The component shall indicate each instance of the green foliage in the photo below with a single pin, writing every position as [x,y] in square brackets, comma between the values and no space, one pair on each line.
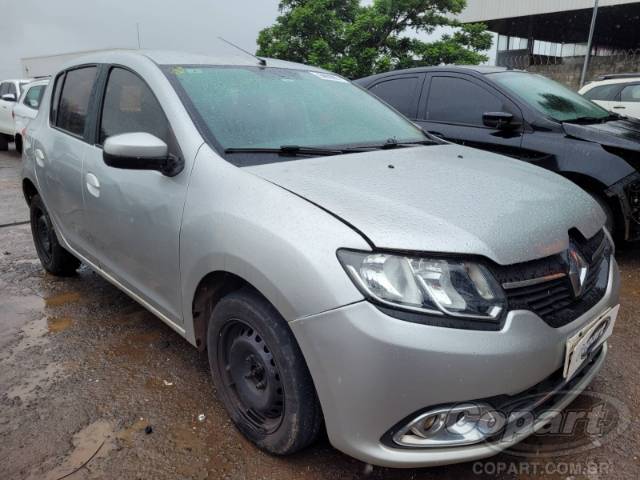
[357,40]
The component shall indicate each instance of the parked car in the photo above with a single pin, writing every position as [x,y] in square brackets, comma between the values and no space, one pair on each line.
[26,108]
[342,268]
[617,93]
[10,90]
[528,117]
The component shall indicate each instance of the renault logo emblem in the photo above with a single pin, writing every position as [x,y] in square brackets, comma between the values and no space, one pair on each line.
[578,268]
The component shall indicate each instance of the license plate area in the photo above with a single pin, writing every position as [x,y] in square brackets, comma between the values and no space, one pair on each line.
[586,340]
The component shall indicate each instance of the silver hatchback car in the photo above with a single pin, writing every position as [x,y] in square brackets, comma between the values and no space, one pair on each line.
[343,269]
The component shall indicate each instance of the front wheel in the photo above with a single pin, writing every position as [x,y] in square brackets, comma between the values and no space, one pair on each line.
[260,374]
[55,259]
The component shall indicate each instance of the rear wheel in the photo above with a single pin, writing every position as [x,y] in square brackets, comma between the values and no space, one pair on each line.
[4,143]
[18,142]
[260,374]
[55,259]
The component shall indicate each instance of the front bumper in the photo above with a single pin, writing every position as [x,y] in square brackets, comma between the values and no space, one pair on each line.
[371,371]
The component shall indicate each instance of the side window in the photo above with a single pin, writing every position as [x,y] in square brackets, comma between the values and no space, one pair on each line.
[4,88]
[33,96]
[602,92]
[11,88]
[630,93]
[74,99]
[398,92]
[455,100]
[130,106]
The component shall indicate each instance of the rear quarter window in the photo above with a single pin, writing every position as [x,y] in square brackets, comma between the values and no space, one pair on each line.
[399,92]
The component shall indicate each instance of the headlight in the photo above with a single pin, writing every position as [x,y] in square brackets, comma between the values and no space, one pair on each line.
[456,288]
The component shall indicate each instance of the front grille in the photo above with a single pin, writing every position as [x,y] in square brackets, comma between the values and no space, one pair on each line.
[543,286]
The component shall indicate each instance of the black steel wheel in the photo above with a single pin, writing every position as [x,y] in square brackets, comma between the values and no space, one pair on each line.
[260,374]
[250,372]
[55,259]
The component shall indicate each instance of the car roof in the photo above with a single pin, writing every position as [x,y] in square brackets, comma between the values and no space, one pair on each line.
[612,81]
[478,69]
[38,81]
[17,80]
[169,57]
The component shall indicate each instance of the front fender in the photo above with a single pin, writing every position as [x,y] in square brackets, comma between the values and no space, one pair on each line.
[282,245]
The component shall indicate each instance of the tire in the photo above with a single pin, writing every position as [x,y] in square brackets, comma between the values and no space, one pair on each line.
[18,142]
[260,374]
[4,143]
[55,259]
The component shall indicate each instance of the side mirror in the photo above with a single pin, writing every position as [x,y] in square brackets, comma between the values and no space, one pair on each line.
[498,120]
[8,97]
[140,151]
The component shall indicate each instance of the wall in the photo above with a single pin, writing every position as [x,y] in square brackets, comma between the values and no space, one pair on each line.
[568,72]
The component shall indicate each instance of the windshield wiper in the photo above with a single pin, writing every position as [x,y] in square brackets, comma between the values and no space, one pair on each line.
[287,150]
[393,143]
[587,120]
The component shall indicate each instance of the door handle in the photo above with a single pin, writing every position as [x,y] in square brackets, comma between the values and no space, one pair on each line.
[93,185]
[620,107]
[40,158]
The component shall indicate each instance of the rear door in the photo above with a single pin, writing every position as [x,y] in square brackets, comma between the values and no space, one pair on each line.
[452,108]
[60,148]
[401,91]
[607,96]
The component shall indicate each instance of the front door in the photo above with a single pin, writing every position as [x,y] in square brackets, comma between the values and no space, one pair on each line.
[453,107]
[133,217]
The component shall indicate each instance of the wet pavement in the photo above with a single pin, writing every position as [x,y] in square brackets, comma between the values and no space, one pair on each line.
[94,386]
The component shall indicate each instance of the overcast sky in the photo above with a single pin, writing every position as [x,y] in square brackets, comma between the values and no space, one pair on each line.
[34,28]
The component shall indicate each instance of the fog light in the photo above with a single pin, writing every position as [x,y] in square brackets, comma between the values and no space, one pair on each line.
[461,424]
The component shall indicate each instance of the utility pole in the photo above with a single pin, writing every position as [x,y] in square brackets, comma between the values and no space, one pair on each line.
[585,66]
[138,32]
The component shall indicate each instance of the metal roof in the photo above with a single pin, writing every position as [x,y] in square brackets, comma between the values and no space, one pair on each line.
[487,10]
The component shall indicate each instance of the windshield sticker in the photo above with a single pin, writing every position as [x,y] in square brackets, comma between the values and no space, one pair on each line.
[329,76]
[177,70]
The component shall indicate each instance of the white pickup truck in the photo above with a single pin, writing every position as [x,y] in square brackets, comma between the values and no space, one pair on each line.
[10,91]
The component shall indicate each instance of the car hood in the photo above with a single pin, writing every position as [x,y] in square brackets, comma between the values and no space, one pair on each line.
[623,133]
[444,198]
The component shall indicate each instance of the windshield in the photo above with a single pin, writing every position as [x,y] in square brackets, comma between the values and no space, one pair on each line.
[549,97]
[244,107]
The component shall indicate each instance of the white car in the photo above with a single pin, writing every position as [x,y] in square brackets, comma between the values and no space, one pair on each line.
[10,91]
[618,93]
[26,108]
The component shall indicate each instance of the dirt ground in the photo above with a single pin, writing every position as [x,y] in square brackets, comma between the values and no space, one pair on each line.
[92,383]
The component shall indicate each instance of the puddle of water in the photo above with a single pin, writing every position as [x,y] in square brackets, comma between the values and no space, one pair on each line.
[136,346]
[58,324]
[63,299]
[27,385]
[16,311]
[96,437]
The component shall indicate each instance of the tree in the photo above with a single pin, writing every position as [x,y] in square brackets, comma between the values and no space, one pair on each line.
[357,40]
